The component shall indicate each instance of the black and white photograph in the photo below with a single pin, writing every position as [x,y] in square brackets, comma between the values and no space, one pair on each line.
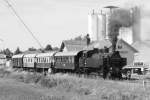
[74,50]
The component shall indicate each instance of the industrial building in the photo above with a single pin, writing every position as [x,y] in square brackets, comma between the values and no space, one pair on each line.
[98,29]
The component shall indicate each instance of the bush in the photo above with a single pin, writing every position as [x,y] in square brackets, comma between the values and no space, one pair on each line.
[32,78]
[17,76]
[48,82]
[4,72]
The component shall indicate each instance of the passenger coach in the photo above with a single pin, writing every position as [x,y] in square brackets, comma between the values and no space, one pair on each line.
[44,61]
[66,61]
[18,61]
[29,61]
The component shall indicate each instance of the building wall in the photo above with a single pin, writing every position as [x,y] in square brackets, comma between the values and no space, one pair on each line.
[126,34]
[127,52]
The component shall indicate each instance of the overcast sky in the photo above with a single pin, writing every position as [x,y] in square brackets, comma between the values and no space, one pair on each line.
[52,21]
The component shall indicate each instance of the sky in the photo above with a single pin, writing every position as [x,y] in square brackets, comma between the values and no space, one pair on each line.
[53,21]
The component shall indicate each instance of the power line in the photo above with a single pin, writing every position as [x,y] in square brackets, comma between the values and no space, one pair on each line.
[25,25]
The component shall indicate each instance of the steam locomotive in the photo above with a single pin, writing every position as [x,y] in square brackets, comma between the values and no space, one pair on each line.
[100,61]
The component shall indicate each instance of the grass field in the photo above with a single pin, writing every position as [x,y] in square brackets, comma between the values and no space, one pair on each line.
[28,86]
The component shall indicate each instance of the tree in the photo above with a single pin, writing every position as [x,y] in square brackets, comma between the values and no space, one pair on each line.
[17,51]
[7,52]
[32,49]
[78,38]
[55,49]
[48,48]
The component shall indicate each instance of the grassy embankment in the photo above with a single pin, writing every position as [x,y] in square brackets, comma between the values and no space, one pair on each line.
[70,87]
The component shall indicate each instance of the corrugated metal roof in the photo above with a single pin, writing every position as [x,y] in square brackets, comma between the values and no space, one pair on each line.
[45,54]
[71,53]
[18,56]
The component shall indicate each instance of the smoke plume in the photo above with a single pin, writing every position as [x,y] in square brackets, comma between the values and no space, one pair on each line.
[118,18]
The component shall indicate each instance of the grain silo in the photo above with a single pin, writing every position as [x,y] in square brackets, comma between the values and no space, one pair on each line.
[93,25]
[97,26]
[101,26]
[136,27]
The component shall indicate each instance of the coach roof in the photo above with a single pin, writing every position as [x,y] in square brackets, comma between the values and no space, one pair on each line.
[30,55]
[71,53]
[18,56]
[45,54]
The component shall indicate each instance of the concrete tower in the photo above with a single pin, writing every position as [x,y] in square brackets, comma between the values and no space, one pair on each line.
[93,26]
[97,26]
[101,26]
[136,27]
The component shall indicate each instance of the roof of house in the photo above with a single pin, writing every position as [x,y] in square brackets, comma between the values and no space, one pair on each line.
[74,45]
[98,44]
[122,41]
[106,43]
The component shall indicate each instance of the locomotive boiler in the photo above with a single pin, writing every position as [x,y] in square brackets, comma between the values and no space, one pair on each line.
[102,62]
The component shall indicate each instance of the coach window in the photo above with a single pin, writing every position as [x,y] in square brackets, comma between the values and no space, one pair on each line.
[45,60]
[39,60]
[72,59]
[69,59]
[42,60]
[59,59]
[48,60]
[62,59]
